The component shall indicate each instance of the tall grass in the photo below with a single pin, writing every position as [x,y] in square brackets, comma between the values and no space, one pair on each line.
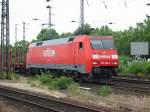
[74,89]
[9,75]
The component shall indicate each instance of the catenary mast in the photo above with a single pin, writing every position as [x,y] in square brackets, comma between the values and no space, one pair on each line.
[5,35]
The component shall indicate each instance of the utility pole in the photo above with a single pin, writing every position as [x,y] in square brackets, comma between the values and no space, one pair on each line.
[16,32]
[50,16]
[5,35]
[24,30]
[50,19]
[81,15]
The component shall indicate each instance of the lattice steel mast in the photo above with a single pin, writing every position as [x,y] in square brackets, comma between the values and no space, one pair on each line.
[5,35]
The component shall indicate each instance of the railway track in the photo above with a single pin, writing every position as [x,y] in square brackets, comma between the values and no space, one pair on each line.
[131,84]
[123,84]
[48,104]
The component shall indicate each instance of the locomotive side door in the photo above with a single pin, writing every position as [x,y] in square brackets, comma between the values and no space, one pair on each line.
[79,52]
[79,56]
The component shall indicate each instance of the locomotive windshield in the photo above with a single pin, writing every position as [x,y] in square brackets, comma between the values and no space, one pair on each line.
[102,44]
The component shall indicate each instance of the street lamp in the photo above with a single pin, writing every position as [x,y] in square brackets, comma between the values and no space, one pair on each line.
[43,24]
[81,27]
[49,7]
[35,19]
[73,21]
[110,23]
[148,4]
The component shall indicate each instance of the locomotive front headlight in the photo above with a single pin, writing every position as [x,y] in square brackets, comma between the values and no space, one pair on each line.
[114,63]
[95,62]
[95,56]
[114,56]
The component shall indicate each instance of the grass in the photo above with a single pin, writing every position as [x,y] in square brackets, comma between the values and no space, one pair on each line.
[104,91]
[74,89]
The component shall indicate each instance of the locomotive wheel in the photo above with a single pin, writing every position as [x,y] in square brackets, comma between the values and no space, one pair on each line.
[87,77]
[105,79]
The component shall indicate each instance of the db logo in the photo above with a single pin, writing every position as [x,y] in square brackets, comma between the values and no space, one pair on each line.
[49,53]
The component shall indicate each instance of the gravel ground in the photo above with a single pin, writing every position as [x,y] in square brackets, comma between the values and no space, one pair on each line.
[7,105]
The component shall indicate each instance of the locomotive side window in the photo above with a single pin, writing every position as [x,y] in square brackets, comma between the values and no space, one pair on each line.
[80,45]
[39,43]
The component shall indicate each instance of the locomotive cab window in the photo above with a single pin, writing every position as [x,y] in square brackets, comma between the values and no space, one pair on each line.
[71,39]
[102,44]
[80,45]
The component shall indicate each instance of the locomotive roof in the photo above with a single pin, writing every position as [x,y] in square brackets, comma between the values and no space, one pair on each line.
[101,37]
[52,42]
[64,40]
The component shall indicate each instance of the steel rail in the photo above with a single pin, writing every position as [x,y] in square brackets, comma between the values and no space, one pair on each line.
[132,80]
[32,103]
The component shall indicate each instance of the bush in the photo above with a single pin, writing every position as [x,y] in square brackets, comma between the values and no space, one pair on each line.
[147,69]
[136,67]
[139,68]
[123,64]
[51,82]
[104,91]
[63,82]
[44,78]
[127,65]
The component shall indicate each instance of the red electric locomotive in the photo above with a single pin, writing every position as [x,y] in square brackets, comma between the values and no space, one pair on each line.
[87,57]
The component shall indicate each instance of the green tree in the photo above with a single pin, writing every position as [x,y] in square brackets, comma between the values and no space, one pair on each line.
[22,45]
[47,34]
[68,34]
[103,31]
[87,29]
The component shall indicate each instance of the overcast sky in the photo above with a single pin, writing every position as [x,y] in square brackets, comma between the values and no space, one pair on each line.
[64,11]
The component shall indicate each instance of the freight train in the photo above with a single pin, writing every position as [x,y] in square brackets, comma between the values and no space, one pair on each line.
[91,58]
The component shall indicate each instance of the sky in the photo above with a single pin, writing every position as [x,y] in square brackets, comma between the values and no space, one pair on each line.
[64,11]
